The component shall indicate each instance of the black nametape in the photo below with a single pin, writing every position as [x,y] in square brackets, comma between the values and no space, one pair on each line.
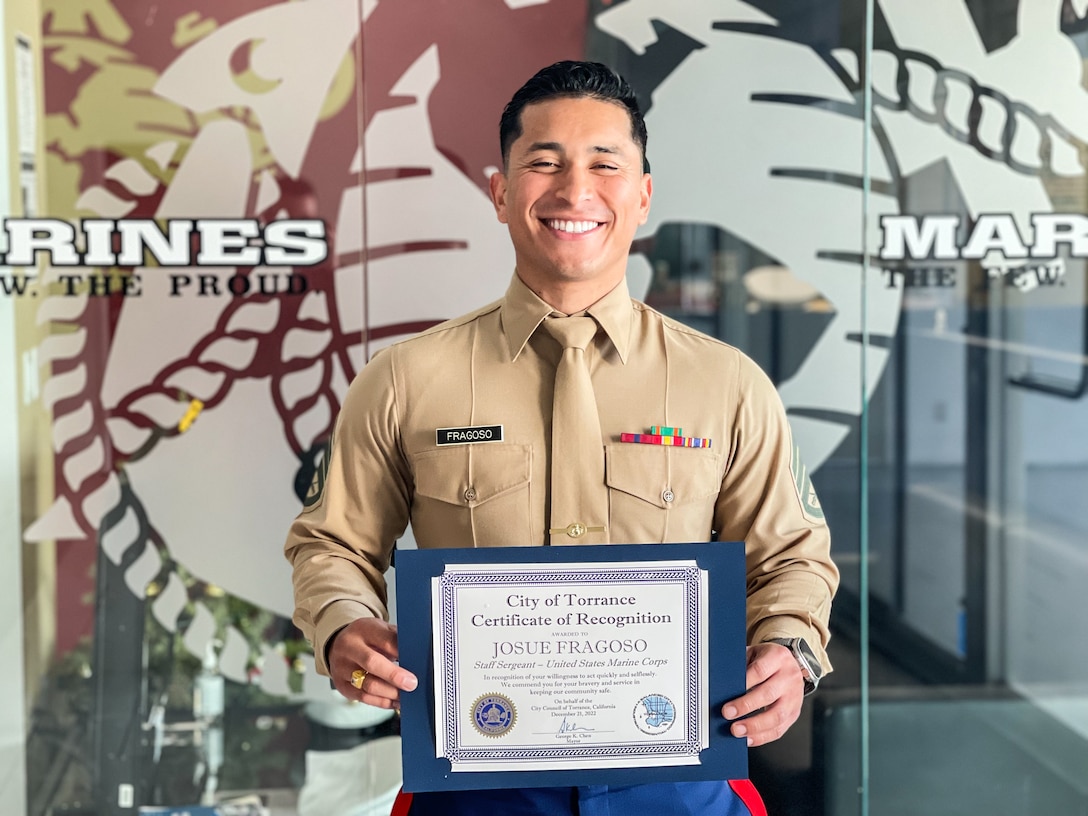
[468,436]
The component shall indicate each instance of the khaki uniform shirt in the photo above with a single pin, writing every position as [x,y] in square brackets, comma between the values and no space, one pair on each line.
[496,366]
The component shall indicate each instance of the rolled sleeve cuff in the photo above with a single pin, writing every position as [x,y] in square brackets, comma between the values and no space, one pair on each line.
[334,618]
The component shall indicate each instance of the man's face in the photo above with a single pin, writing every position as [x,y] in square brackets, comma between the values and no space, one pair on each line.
[573,195]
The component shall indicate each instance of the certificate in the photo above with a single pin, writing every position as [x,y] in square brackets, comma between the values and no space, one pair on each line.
[571,665]
[542,666]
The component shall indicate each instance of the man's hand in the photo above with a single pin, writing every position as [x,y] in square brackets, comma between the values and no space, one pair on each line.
[775,689]
[369,644]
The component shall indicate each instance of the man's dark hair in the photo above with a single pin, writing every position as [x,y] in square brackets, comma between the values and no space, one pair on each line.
[572,80]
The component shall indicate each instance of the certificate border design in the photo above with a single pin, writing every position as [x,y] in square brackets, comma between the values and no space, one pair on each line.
[687,576]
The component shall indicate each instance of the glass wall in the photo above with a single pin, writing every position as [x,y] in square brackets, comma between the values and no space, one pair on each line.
[164,416]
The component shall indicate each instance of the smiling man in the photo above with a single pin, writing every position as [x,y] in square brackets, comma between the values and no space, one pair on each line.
[469,431]
[573,193]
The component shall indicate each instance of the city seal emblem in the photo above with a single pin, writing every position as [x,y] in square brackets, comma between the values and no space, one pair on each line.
[493,715]
[654,714]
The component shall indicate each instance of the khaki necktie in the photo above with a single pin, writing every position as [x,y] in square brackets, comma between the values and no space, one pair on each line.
[579,498]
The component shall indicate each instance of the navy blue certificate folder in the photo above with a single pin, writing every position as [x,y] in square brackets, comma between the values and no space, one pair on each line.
[725,758]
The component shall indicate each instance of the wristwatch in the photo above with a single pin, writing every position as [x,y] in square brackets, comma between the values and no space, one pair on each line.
[811,670]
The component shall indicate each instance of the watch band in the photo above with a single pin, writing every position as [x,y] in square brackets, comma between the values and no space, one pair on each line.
[811,670]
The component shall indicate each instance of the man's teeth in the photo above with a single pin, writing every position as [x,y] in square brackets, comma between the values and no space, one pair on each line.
[571,226]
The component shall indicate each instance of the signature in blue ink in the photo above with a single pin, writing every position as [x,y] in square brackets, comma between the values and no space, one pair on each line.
[570,728]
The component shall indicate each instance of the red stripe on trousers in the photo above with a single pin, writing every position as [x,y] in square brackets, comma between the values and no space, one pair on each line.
[402,804]
[747,793]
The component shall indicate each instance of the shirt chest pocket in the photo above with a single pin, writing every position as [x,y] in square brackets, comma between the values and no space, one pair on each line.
[473,496]
[661,494]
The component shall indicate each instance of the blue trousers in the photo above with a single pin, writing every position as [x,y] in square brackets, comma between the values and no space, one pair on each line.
[658,799]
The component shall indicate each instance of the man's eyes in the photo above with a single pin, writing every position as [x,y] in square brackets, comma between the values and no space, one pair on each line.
[548,165]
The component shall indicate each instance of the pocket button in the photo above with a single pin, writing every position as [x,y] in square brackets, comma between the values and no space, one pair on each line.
[470,494]
[668,495]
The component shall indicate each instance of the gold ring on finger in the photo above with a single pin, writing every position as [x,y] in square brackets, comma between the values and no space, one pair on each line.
[358,677]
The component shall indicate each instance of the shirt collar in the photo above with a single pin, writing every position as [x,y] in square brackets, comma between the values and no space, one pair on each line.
[522,312]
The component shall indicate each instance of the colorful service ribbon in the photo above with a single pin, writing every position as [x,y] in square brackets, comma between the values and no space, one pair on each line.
[666,439]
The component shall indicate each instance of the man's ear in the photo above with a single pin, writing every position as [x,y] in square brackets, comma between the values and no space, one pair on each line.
[498,195]
[647,193]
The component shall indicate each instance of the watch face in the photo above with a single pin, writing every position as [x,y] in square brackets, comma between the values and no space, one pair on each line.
[814,667]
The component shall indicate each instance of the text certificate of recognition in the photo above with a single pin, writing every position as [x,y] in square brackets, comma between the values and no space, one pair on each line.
[570,665]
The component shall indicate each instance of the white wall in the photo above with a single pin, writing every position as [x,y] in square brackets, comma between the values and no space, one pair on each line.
[12,693]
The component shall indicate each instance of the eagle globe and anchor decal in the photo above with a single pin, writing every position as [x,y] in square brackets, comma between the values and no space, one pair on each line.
[780,79]
[493,715]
